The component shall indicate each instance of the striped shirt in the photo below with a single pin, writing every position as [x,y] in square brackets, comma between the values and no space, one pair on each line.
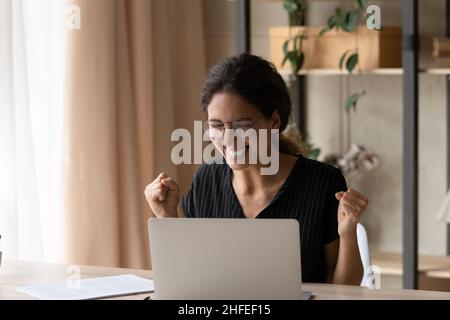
[307,195]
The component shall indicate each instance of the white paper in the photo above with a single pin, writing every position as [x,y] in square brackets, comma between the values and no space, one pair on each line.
[91,288]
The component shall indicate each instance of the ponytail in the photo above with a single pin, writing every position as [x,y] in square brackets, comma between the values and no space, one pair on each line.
[290,143]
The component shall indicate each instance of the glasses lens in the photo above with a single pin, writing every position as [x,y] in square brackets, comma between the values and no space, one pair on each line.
[214,129]
[242,124]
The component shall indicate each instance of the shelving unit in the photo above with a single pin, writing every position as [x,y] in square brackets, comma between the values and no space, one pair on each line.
[380,71]
[410,58]
[410,72]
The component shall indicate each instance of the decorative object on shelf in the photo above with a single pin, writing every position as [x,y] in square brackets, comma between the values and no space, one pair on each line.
[293,46]
[294,53]
[358,159]
[347,21]
[377,48]
[340,44]
[355,162]
[296,10]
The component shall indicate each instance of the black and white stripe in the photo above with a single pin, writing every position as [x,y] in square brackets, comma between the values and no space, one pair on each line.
[308,195]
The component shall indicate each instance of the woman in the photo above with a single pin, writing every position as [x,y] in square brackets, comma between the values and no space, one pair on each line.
[246,92]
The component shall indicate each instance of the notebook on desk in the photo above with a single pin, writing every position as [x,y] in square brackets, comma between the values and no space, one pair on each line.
[92,288]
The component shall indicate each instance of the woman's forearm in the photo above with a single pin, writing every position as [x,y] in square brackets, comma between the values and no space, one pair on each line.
[349,268]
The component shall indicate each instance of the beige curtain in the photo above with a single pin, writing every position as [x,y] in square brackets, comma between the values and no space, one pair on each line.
[135,71]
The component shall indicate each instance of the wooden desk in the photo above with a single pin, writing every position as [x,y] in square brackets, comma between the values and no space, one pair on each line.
[13,274]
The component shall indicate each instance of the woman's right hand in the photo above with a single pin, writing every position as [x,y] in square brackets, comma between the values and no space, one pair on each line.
[163,195]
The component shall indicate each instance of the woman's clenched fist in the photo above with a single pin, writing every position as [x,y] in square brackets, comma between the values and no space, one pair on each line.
[163,195]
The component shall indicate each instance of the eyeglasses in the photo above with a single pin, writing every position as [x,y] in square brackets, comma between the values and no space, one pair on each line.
[216,128]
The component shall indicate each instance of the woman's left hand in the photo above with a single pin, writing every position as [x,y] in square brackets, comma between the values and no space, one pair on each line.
[351,206]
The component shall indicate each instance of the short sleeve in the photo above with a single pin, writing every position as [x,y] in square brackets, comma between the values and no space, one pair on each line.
[330,218]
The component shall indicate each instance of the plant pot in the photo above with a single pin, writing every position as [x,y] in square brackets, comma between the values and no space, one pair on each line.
[377,48]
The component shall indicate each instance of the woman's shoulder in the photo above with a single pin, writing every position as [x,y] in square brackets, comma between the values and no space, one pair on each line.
[321,177]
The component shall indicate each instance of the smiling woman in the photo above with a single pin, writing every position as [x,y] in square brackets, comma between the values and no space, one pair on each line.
[316,194]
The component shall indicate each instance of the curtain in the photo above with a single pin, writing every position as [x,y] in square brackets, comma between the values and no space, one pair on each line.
[134,74]
[32,37]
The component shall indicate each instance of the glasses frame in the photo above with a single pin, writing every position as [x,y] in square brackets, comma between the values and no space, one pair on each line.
[206,125]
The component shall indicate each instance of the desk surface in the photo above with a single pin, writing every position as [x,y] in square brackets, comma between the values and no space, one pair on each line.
[13,274]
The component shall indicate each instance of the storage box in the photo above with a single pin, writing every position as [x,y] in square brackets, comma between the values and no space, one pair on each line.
[377,48]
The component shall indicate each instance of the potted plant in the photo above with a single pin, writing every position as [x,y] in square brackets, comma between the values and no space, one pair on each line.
[323,46]
[294,55]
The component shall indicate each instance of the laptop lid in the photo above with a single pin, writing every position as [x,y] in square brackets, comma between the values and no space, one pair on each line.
[216,259]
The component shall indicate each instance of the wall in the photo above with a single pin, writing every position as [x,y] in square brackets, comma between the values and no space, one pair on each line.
[377,123]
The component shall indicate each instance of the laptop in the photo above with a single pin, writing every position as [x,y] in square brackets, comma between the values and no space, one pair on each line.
[226,259]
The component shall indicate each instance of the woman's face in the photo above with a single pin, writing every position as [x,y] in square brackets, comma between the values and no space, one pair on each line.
[230,111]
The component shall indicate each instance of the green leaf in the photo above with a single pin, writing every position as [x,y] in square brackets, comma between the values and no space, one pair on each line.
[301,61]
[341,61]
[314,154]
[332,22]
[302,5]
[296,40]
[340,19]
[292,57]
[352,100]
[351,20]
[290,6]
[286,47]
[362,3]
[324,30]
[352,61]
[287,57]
[284,60]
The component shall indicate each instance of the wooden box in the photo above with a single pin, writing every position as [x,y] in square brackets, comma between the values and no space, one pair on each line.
[377,48]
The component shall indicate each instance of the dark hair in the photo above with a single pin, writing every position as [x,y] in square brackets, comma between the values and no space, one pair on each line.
[258,82]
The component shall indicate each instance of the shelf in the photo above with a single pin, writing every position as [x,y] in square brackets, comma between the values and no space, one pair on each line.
[430,266]
[380,71]
[433,271]
[437,71]
[338,72]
